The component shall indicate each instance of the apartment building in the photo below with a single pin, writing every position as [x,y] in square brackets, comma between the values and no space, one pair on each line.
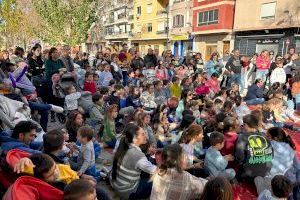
[212,26]
[267,24]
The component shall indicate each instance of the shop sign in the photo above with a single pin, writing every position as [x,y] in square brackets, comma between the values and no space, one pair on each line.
[268,41]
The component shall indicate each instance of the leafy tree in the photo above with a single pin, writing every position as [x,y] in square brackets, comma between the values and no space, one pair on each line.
[66,21]
[10,21]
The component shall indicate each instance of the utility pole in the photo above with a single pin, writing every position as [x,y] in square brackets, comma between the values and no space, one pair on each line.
[168,27]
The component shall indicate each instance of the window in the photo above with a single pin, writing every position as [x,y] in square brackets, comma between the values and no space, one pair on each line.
[139,11]
[178,21]
[268,10]
[161,27]
[208,17]
[149,27]
[149,8]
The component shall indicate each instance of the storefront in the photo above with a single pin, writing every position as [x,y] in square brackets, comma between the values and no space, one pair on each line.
[181,44]
[278,41]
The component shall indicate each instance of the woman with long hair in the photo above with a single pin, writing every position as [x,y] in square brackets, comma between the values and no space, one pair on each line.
[144,120]
[53,64]
[128,164]
[263,64]
[35,61]
[190,137]
[214,65]
[171,181]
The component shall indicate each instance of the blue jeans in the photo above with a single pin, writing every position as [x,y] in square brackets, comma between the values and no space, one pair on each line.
[143,191]
[262,74]
[297,99]
[236,78]
[255,101]
[43,110]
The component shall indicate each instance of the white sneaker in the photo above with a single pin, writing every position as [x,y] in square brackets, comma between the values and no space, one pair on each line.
[57,109]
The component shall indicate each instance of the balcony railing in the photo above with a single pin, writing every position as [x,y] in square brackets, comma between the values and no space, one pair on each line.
[161,12]
[161,32]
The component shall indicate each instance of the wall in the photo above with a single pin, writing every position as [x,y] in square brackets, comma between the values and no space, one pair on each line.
[226,16]
[202,41]
[251,10]
[183,8]
[140,22]
[145,45]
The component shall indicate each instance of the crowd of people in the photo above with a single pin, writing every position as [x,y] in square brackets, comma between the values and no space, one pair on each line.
[180,128]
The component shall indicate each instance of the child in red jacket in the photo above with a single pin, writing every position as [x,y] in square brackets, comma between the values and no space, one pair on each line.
[89,83]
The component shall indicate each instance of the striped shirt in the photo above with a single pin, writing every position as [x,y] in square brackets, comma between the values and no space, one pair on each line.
[128,173]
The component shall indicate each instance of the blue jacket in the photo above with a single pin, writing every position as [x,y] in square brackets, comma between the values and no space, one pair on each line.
[254,92]
[8,143]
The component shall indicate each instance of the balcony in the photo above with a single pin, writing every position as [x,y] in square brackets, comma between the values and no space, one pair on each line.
[161,32]
[162,13]
[110,35]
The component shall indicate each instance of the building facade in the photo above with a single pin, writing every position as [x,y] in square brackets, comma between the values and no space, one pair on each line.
[212,26]
[181,27]
[267,24]
[150,25]
[117,23]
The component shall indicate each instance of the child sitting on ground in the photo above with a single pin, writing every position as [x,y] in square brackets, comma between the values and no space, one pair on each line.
[97,111]
[281,189]
[79,190]
[89,83]
[86,157]
[214,161]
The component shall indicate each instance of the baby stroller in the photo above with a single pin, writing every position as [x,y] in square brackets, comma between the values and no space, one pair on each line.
[60,85]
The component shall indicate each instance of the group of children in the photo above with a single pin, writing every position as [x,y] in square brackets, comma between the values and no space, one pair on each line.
[173,121]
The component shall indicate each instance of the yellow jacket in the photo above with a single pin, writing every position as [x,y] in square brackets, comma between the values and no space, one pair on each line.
[66,174]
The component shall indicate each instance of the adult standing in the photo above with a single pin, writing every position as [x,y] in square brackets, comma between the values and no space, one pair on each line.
[52,66]
[4,58]
[263,64]
[150,59]
[234,66]
[137,62]
[214,65]
[36,70]
[66,58]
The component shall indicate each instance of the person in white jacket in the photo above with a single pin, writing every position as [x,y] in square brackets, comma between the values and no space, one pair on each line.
[278,74]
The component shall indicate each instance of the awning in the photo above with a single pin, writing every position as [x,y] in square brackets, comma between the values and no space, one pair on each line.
[261,36]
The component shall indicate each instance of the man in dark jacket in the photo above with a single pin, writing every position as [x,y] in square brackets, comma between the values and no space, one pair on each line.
[66,58]
[234,66]
[137,62]
[253,151]
[255,94]
[150,58]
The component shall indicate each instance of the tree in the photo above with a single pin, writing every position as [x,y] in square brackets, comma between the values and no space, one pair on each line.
[10,21]
[66,21]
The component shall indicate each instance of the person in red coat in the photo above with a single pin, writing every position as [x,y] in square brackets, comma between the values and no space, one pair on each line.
[89,83]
